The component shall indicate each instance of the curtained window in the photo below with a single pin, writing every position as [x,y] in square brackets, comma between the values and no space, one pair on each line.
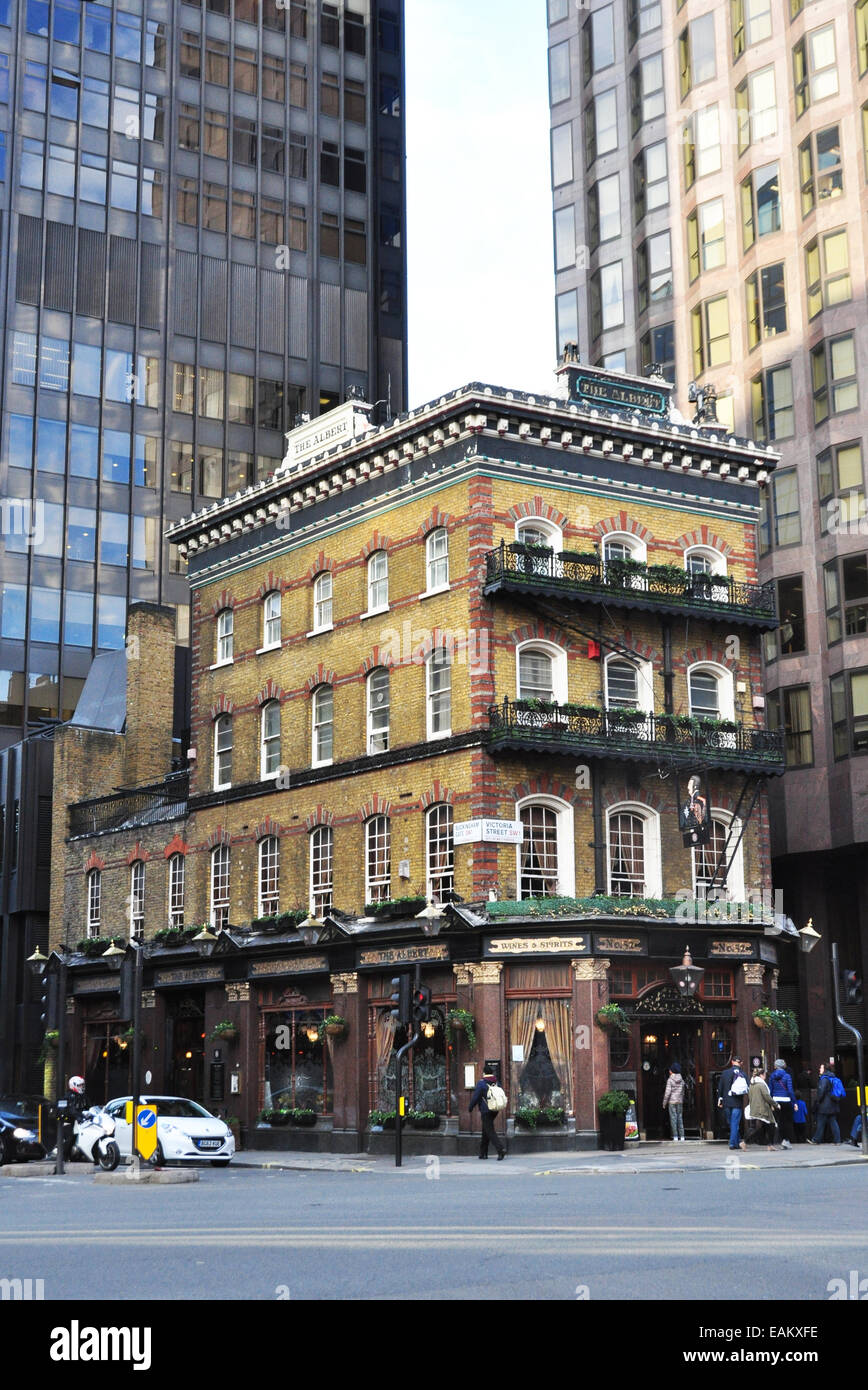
[539,852]
[626,856]
[540,1048]
[441,852]
[298,1067]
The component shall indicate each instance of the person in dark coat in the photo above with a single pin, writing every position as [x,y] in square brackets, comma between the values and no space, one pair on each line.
[733,1104]
[827,1108]
[489,1133]
[780,1085]
[800,1118]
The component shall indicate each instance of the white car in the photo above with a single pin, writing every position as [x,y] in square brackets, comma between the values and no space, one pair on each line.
[186,1132]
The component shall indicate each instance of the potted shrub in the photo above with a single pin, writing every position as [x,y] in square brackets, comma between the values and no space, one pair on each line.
[224,1031]
[302,1117]
[424,1119]
[275,1117]
[176,936]
[612,1016]
[396,907]
[552,1115]
[333,1026]
[528,1116]
[97,945]
[461,1020]
[613,1107]
[381,1119]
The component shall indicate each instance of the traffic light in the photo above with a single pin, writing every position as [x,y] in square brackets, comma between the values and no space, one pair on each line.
[50,1002]
[402,985]
[421,1004]
[851,985]
[126,1003]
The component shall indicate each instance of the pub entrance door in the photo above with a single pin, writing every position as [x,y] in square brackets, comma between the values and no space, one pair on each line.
[664,1041]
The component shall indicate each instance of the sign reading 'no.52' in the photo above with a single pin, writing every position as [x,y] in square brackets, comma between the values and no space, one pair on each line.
[488,832]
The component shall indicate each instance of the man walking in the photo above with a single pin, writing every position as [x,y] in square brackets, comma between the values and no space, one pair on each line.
[827,1107]
[489,1133]
[731,1091]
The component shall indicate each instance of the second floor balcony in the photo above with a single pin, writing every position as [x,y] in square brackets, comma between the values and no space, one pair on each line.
[626,583]
[583,730]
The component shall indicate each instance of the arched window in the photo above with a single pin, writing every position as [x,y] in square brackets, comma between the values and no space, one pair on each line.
[223,740]
[322,602]
[176,890]
[621,554]
[546,855]
[634,853]
[629,684]
[323,725]
[270,739]
[621,546]
[220,887]
[378,581]
[437,559]
[438,698]
[541,672]
[225,635]
[441,852]
[271,615]
[702,564]
[94,901]
[137,900]
[535,531]
[723,851]
[378,710]
[269,876]
[711,692]
[321,870]
[378,860]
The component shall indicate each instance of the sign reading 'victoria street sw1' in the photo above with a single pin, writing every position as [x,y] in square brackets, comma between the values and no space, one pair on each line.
[488,832]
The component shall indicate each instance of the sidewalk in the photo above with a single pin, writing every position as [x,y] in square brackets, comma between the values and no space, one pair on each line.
[648,1157]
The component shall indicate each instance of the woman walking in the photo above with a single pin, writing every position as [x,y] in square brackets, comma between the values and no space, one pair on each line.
[762,1110]
[673,1101]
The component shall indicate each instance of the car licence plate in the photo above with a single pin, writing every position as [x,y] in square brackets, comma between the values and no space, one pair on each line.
[209,1143]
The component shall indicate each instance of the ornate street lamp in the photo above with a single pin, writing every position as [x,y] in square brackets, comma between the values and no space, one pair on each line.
[431,918]
[310,930]
[205,941]
[687,976]
[808,938]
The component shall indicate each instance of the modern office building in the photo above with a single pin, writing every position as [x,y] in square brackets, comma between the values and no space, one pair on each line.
[709,173]
[202,237]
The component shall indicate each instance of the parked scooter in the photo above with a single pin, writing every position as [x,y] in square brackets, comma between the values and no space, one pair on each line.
[93,1139]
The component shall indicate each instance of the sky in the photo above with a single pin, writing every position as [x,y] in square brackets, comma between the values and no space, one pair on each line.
[479,220]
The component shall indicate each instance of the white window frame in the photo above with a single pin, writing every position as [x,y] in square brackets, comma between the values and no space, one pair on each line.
[558,655]
[436,563]
[268,876]
[219,878]
[379,736]
[137,900]
[379,889]
[725,687]
[225,637]
[177,875]
[433,665]
[267,741]
[554,535]
[566,848]
[321,855]
[734,887]
[717,562]
[644,681]
[272,612]
[318,723]
[651,846]
[323,603]
[94,902]
[222,724]
[439,831]
[380,558]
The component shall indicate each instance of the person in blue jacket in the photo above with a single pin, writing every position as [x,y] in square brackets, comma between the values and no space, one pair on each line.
[489,1133]
[784,1096]
[827,1108]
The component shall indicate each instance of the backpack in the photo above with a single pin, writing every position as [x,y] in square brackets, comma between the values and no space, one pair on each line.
[836,1088]
[739,1086]
[496,1098]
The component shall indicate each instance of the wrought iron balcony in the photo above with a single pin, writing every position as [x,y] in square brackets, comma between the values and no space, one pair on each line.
[545,727]
[138,806]
[627,584]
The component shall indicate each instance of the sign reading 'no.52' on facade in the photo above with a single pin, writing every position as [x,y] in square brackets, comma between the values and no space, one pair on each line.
[488,832]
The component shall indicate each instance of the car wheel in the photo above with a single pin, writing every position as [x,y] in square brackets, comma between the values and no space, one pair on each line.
[220,1162]
[5,1149]
[158,1158]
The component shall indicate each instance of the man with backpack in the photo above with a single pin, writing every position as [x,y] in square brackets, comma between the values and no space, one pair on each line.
[830,1092]
[731,1091]
[491,1099]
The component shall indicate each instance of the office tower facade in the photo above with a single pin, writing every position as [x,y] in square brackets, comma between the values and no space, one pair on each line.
[709,174]
[202,237]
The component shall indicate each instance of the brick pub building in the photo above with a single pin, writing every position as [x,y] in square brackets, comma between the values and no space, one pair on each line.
[474,658]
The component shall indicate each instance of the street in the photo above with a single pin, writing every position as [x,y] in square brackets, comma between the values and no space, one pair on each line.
[458,1231]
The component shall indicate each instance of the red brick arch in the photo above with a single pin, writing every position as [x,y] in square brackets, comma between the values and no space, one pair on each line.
[222,601]
[270,691]
[544,785]
[267,827]
[218,837]
[621,522]
[323,675]
[438,793]
[176,846]
[321,563]
[538,508]
[222,705]
[377,542]
[703,536]
[319,816]
[376,806]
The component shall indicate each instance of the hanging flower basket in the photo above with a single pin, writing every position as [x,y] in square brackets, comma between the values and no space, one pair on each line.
[612,1017]
[763,1019]
[333,1027]
[461,1021]
[224,1032]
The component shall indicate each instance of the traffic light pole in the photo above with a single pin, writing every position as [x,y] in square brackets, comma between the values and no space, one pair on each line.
[399,1099]
[860,1060]
[60,1082]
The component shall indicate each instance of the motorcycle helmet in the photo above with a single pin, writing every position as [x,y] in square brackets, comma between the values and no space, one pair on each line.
[76,1084]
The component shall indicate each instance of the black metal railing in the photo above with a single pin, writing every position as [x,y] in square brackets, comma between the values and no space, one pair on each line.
[139,806]
[575,728]
[630,582]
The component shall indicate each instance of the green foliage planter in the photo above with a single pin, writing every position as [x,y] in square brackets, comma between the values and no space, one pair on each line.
[382,1119]
[462,1021]
[784,1021]
[302,1118]
[613,1107]
[224,1031]
[49,1045]
[530,1116]
[612,1017]
[396,907]
[333,1027]
[98,945]
[276,1117]
[273,925]
[175,936]
[424,1119]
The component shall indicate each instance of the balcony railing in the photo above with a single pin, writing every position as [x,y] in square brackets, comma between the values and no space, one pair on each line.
[572,729]
[141,806]
[628,584]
